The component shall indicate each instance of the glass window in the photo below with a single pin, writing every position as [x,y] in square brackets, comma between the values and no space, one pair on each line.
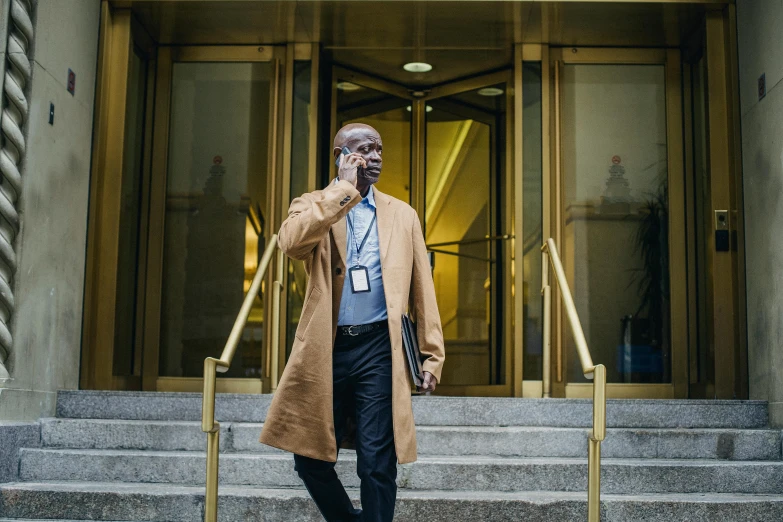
[462,221]
[532,235]
[215,211]
[615,247]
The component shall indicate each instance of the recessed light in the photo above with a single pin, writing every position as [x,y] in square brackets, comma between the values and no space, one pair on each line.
[490,91]
[428,109]
[348,86]
[417,67]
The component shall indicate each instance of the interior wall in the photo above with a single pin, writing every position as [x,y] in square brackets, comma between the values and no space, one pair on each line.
[49,281]
[759,24]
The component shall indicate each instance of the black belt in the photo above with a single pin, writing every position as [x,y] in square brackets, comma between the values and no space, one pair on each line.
[359,329]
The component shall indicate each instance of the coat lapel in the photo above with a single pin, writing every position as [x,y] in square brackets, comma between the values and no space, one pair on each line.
[385,211]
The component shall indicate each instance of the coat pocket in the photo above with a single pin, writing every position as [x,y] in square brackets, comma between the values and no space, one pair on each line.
[307,313]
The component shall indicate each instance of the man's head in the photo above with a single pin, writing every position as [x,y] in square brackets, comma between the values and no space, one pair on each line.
[364,140]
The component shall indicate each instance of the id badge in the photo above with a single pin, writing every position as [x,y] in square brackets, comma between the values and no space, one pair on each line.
[360,279]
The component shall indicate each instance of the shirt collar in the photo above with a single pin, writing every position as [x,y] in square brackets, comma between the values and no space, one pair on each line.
[371,197]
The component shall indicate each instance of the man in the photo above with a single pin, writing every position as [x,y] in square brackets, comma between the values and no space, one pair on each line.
[347,379]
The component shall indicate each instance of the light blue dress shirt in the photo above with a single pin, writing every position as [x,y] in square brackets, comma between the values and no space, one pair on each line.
[366,307]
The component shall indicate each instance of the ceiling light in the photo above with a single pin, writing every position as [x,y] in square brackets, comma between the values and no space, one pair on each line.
[428,109]
[417,67]
[348,86]
[490,91]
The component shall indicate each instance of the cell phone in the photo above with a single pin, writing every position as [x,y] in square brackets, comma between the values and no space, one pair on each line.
[343,152]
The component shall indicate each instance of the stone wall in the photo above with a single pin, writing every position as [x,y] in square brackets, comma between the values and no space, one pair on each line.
[760,52]
[50,246]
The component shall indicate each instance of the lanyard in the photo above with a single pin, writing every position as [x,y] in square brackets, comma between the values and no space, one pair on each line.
[366,235]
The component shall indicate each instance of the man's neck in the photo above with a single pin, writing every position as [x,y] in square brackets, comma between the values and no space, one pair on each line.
[364,190]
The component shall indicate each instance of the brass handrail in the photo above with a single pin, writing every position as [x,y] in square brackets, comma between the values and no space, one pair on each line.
[212,366]
[595,372]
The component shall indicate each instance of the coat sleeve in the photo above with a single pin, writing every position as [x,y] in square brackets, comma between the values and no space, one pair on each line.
[425,307]
[311,215]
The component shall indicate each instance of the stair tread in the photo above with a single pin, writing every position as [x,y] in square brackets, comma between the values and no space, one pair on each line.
[424,427]
[435,410]
[469,459]
[296,492]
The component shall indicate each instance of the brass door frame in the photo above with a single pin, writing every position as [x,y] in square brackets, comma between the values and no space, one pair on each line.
[726,283]
[120,34]
[418,99]
[509,346]
[529,53]
[670,59]
[153,285]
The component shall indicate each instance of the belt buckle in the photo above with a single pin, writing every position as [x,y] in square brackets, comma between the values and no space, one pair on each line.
[350,331]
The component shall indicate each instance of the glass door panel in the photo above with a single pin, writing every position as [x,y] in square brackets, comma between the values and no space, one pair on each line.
[615,222]
[532,220]
[465,140]
[390,115]
[216,200]
[462,140]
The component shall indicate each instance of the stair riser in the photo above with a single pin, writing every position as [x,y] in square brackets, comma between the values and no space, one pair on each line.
[435,474]
[516,441]
[432,411]
[187,508]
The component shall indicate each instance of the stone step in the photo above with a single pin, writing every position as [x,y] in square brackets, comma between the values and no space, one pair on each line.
[151,502]
[513,441]
[432,411]
[621,476]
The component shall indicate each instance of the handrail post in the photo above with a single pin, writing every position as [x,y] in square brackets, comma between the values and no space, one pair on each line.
[597,435]
[593,480]
[213,456]
[599,403]
[212,430]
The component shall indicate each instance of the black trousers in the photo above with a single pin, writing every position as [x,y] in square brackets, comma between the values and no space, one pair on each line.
[363,386]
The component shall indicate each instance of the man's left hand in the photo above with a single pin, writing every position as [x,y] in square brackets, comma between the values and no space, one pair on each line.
[429,383]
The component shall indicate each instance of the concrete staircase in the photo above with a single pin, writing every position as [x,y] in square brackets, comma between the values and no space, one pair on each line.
[140,457]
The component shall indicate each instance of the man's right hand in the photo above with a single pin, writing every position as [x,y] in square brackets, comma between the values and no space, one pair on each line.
[349,167]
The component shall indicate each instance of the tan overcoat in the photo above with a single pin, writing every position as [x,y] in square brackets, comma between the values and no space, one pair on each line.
[300,418]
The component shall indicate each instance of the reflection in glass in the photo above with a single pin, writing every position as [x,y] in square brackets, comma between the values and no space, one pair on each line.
[126,359]
[532,236]
[215,211]
[615,247]
[391,117]
[464,137]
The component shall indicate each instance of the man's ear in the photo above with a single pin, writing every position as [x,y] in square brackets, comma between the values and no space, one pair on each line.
[336,152]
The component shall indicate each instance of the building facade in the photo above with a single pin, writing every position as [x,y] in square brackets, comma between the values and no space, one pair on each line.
[150,150]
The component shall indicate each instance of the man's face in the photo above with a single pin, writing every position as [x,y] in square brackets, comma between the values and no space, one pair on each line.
[367,142]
